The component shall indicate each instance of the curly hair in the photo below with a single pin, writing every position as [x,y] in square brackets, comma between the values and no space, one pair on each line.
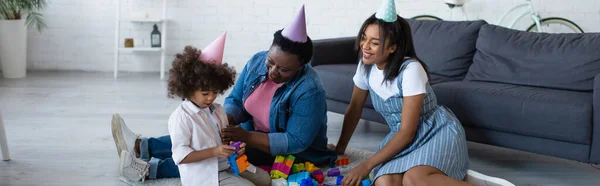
[189,75]
[303,50]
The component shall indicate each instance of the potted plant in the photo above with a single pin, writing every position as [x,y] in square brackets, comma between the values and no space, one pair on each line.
[15,15]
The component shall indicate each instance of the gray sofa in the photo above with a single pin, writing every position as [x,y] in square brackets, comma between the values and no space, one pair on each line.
[527,91]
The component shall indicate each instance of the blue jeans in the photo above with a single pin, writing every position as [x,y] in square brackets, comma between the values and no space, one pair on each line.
[158,151]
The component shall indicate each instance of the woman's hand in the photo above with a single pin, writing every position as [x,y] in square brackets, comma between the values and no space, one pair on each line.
[338,150]
[356,175]
[235,133]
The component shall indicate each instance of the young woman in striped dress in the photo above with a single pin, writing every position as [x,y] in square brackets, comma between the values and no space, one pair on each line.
[426,144]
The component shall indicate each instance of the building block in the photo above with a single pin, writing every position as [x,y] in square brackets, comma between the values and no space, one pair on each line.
[298,177]
[293,184]
[279,182]
[339,180]
[318,175]
[237,163]
[366,182]
[342,161]
[298,167]
[282,166]
[237,146]
[289,161]
[276,174]
[310,167]
[333,172]
[307,182]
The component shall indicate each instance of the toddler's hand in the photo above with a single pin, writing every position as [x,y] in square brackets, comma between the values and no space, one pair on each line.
[242,149]
[223,151]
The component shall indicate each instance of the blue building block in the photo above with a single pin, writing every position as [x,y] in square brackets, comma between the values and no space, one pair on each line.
[307,182]
[366,182]
[233,164]
[339,180]
[298,177]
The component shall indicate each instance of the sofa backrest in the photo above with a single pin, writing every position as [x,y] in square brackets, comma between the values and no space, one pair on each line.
[334,51]
[447,47]
[561,61]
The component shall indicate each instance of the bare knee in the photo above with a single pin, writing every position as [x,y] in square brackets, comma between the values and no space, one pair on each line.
[390,179]
[414,179]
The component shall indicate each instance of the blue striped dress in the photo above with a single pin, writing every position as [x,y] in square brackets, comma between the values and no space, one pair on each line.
[440,140]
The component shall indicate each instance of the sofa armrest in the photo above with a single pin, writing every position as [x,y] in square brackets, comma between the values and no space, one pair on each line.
[334,51]
[595,147]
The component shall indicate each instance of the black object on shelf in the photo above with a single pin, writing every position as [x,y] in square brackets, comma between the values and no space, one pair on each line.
[155,37]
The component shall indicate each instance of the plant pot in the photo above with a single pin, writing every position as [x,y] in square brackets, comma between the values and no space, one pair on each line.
[13,48]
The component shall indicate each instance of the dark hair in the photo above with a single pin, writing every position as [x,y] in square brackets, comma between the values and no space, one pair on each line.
[302,50]
[189,75]
[399,33]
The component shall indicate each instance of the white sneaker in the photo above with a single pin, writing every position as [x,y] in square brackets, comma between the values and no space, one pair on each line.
[124,138]
[479,179]
[133,168]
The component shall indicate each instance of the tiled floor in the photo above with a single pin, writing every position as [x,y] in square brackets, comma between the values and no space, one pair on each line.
[58,126]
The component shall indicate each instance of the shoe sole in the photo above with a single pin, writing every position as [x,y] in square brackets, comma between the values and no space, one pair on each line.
[122,156]
[117,133]
[488,179]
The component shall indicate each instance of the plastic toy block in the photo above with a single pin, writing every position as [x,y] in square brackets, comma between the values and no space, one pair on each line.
[279,159]
[307,182]
[339,180]
[279,182]
[310,167]
[242,163]
[237,145]
[238,164]
[293,184]
[366,182]
[293,158]
[265,167]
[315,183]
[319,178]
[298,177]
[288,162]
[276,174]
[326,185]
[298,167]
[342,161]
[318,175]
[333,172]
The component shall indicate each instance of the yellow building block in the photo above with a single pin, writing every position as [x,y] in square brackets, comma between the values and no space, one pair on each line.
[276,174]
[279,159]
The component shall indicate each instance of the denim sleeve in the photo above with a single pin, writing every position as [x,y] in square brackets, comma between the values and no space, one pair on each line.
[307,117]
[233,103]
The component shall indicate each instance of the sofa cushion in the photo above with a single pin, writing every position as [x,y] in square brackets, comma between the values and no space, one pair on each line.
[562,61]
[447,47]
[531,111]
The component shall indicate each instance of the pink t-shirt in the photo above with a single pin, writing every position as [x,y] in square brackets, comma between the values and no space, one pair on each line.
[258,104]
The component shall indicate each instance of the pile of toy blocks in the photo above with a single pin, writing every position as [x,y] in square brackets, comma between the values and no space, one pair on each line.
[285,173]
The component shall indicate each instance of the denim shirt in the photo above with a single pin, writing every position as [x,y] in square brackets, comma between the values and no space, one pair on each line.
[298,114]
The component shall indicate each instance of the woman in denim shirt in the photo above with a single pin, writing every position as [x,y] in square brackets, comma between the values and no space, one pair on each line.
[277,107]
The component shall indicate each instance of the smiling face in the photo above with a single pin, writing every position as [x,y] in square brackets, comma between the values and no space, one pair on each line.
[371,46]
[282,65]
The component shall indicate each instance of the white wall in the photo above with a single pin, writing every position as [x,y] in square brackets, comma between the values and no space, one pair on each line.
[80,34]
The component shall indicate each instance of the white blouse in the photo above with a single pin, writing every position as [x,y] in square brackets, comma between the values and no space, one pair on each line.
[414,80]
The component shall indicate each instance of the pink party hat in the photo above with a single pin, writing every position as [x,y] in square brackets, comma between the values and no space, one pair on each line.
[296,31]
[213,53]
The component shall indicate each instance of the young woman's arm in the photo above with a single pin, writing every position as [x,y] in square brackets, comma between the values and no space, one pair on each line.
[411,109]
[351,118]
